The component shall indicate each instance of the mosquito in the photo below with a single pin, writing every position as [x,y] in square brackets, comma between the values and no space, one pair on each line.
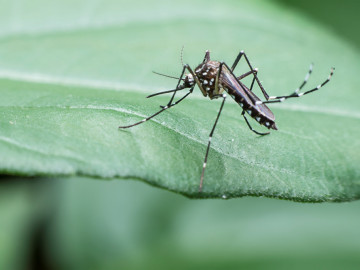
[214,78]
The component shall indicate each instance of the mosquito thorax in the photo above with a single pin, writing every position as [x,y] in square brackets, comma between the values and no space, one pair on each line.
[206,73]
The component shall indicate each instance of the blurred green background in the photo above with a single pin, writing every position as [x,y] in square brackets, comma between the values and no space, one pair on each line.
[79,223]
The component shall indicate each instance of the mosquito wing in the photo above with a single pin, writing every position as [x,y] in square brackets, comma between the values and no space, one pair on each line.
[242,94]
[262,108]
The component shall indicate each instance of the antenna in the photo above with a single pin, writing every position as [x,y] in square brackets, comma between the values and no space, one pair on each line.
[166,75]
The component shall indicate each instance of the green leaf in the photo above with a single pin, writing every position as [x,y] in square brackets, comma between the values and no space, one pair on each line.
[68,80]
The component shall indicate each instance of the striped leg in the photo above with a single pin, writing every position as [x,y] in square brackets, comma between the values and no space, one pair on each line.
[163,109]
[208,147]
[275,99]
[307,76]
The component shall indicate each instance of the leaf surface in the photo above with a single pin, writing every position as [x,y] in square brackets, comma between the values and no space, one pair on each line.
[67,82]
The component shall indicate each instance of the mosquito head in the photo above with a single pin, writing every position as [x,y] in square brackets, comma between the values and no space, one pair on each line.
[189,80]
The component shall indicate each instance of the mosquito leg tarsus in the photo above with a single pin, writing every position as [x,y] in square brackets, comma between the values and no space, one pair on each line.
[163,109]
[307,76]
[276,99]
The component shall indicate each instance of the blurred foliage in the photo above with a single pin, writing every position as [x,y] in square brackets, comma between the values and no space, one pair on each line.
[340,17]
[79,223]
[131,226]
